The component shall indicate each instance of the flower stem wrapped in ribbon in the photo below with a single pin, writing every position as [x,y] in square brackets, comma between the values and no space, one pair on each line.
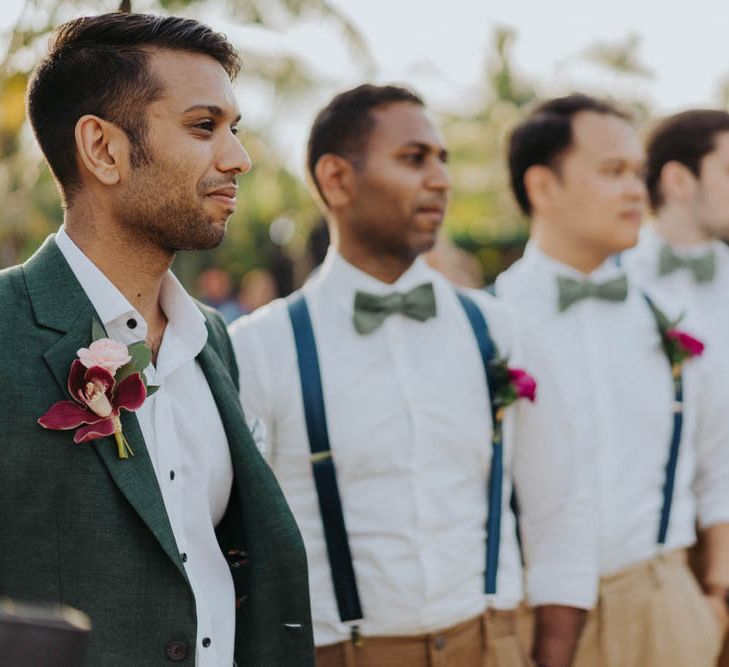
[107,377]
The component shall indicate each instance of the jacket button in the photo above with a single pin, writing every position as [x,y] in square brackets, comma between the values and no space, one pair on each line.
[176,651]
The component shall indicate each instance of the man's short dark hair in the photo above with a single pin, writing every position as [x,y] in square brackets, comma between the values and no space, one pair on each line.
[343,126]
[686,138]
[545,135]
[99,65]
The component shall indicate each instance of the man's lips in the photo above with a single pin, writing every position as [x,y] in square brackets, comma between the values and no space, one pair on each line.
[633,215]
[224,195]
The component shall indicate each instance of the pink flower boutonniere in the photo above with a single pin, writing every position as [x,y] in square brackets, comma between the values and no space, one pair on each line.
[510,384]
[678,345]
[107,377]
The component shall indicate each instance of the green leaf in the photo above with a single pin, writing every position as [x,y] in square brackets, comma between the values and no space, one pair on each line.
[97,331]
[151,388]
[141,355]
[124,372]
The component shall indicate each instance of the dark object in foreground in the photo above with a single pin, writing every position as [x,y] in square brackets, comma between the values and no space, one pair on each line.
[42,636]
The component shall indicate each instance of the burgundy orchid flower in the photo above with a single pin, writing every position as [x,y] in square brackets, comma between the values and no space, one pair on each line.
[96,405]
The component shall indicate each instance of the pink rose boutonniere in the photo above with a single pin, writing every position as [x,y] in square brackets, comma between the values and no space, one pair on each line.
[510,385]
[107,377]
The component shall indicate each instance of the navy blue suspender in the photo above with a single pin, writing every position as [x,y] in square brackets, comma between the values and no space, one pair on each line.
[330,506]
[672,462]
[322,464]
[493,524]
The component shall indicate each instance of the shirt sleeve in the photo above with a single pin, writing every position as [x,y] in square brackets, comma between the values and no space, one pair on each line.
[255,382]
[711,482]
[557,513]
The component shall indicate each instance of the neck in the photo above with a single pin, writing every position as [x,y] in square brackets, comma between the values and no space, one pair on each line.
[678,228]
[134,267]
[567,250]
[386,268]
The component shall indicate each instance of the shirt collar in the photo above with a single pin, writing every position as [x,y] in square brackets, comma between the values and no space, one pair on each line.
[343,279]
[650,236]
[537,260]
[186,324]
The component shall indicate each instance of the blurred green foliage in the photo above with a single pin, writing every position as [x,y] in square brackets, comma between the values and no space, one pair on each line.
[482,218]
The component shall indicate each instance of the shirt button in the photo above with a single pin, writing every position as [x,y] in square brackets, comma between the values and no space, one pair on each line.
[172,474]
[184,558]
[439,642]
[206,642]
[132,323]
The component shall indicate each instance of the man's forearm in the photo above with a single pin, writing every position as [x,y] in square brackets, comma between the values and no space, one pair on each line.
[715,569]
[556,633]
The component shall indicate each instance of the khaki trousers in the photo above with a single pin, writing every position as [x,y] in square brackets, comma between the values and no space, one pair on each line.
[651,615]
[488,640]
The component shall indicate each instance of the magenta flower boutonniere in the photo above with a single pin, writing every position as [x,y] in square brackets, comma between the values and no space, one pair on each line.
[510,385]
[107,377]
[678,345]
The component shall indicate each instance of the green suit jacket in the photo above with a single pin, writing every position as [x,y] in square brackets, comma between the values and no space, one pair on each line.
[80,527]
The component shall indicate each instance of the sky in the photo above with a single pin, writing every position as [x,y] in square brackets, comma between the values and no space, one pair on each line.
[441,46]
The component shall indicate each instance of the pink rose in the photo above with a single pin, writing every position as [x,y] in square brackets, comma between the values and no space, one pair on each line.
[106,353]
[524,384]
[690,345]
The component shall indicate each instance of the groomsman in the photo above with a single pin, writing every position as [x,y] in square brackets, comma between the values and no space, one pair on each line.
[682,252]
[650,412]
[394,446]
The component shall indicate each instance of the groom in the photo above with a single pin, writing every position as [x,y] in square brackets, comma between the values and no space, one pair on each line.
[185,551]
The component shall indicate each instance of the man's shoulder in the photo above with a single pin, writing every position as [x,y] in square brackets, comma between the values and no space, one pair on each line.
[266,320]
[13,296]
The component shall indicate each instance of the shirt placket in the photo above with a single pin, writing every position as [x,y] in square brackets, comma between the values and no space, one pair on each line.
[397,343]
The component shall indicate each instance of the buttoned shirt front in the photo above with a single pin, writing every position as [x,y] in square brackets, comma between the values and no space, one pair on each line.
[708,302]
[410,431]
[616,380]
[186,442]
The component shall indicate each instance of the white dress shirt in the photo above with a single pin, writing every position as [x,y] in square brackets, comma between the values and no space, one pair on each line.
[410,431]
[186,442]
[708,302]
[616,380]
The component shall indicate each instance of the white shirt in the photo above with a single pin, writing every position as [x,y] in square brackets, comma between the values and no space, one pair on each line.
[709,301]
[617,383]
[410,431]
[185,439]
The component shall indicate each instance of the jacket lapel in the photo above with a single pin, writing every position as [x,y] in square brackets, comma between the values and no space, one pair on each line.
[59,303]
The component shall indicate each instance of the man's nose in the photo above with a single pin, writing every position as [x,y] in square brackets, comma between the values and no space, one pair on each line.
[439,177]
[234,157]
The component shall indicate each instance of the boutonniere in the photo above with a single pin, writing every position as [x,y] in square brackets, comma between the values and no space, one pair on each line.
[678,345]
[107,377]
[510,384]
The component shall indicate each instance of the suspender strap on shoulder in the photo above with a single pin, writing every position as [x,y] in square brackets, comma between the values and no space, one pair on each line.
[672,462]
[493,522]
[325,478]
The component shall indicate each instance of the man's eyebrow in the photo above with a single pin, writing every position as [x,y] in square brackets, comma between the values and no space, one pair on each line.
[212,109]
[427,148]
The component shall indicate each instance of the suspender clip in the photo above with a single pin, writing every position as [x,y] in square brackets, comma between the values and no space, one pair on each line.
[356,636]
[318,457]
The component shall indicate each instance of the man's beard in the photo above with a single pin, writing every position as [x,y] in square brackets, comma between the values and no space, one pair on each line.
[162,212]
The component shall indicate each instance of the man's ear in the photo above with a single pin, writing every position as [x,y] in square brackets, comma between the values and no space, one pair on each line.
[335,176]
[677,181]
[539,182]
[103,149]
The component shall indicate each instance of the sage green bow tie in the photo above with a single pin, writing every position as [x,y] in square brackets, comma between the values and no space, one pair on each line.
[371,310]
[571,291]
[702,267]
